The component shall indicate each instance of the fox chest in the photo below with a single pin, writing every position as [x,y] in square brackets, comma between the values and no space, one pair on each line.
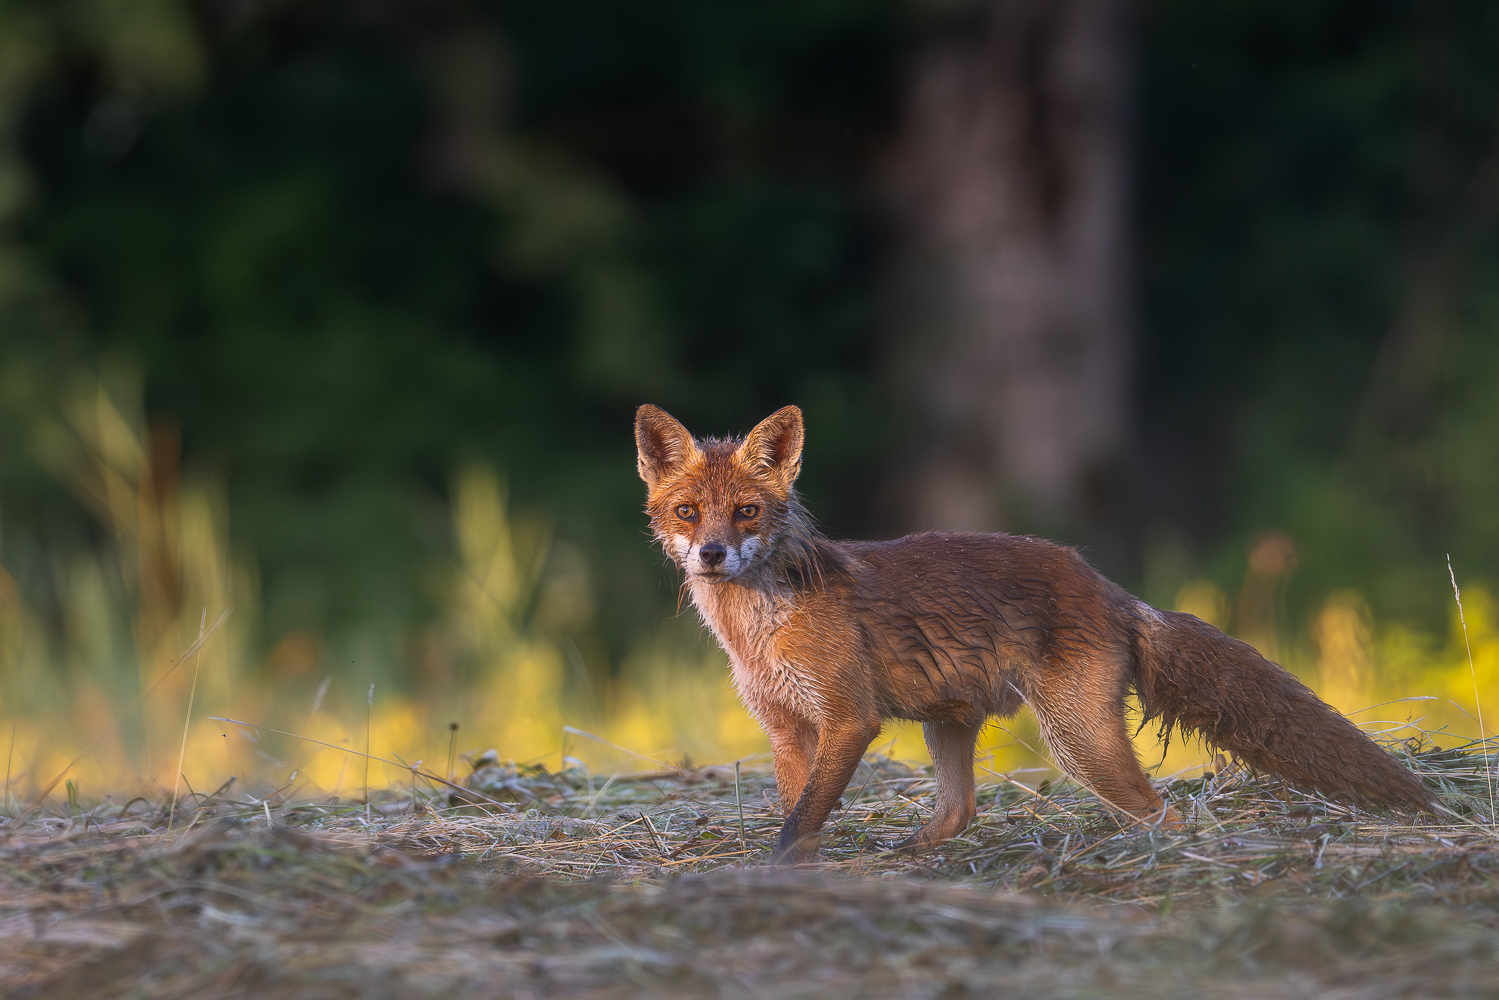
[777,684]
[766,674]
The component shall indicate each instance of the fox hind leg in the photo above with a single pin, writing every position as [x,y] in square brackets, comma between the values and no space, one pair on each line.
[950,743]
[1082,720]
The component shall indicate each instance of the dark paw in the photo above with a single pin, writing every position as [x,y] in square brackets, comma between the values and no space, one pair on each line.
[911,845]
[796,850]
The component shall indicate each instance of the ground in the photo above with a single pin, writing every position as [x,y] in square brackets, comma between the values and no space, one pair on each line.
[649,885]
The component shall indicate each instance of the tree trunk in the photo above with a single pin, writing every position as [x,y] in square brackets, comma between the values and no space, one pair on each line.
[1008,182]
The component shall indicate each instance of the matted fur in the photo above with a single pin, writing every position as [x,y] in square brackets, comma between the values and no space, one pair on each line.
[827,639]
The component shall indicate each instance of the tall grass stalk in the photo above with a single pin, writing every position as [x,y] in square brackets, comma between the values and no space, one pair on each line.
[1483,734]
[369,715]
[9,759]
[187,720]
[452,747]
[739,804]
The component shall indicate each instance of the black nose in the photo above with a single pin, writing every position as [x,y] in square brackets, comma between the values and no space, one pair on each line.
[711,554]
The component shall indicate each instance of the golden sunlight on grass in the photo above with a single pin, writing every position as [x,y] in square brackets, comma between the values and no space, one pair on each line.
[102,700]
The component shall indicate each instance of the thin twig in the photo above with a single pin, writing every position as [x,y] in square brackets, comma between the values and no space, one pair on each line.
[615,746]
[139,699]
[334,746]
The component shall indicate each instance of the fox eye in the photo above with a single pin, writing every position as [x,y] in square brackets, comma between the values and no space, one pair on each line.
[748,512]
[687,512]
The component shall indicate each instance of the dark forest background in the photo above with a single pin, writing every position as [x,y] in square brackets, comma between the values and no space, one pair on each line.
[1151,278]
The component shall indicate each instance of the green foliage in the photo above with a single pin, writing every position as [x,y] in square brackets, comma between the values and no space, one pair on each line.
[350,248]
[347,260]
[1318,211]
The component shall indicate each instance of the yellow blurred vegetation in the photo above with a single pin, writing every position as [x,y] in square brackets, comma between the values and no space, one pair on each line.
[502,660]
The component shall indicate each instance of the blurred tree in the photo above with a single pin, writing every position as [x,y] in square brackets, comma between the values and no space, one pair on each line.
[1009,180]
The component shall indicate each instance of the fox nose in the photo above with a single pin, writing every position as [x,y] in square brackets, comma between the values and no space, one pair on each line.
[711,554]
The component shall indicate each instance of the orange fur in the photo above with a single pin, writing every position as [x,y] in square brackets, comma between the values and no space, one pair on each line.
[828,639]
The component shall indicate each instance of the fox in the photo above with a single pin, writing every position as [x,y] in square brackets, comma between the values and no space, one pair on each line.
[827,640]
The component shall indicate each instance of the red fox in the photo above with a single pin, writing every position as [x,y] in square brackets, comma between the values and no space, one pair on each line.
[827,639]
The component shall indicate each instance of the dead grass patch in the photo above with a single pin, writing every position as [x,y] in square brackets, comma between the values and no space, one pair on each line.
[581,886]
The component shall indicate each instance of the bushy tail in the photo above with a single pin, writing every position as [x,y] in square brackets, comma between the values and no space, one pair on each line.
[1192,677]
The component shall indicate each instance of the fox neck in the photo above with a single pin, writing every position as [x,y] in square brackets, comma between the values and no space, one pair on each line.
[743,614]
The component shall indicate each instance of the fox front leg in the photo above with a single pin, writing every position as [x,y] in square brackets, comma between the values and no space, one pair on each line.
[839,751]
[793,746]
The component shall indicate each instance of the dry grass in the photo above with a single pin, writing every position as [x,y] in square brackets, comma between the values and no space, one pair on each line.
[579,886]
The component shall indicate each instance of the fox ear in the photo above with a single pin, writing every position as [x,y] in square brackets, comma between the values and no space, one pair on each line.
[775,446]
[664,444]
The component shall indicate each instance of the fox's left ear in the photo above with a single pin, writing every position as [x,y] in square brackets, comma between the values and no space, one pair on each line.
[775,446]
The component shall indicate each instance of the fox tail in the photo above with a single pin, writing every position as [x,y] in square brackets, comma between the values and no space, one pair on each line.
[1192,677]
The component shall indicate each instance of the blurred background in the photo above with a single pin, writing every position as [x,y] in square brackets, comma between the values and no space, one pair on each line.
[336,313]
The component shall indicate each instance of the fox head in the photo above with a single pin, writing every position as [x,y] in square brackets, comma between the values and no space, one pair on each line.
[718,507]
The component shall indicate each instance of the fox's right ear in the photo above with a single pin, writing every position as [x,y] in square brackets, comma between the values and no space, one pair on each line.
[663,443]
